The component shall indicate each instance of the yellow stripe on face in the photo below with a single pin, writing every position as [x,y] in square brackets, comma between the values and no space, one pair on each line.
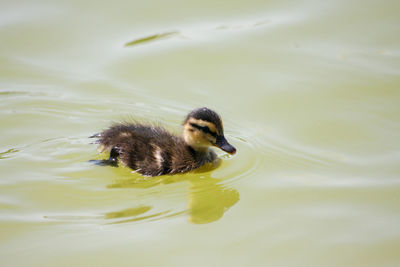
[202,123]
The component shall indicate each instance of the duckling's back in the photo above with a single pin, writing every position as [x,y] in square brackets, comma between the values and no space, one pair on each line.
[149,150]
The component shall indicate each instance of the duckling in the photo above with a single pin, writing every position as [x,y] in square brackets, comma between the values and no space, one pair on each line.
[153,151]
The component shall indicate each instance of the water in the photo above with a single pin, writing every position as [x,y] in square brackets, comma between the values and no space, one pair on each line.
[309,95]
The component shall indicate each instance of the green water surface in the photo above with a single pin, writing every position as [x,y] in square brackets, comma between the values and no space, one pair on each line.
[309,93]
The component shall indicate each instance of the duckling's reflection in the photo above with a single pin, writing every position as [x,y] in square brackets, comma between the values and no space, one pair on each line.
[209,199]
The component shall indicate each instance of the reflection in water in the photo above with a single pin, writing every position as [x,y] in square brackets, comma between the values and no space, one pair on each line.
[209,199]
[127,212]
[155,215]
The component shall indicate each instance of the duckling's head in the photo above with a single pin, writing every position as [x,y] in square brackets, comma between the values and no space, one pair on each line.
[203,128]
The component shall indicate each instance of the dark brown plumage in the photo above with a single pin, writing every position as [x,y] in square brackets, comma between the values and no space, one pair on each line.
[153,151]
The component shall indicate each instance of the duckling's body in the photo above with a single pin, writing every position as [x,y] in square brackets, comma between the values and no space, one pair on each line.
[153,151]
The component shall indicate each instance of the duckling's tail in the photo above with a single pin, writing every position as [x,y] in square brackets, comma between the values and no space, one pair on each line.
[96,135]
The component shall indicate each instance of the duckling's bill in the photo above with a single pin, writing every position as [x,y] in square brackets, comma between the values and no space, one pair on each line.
[223,144]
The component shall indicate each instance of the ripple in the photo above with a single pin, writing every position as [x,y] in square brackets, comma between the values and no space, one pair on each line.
[8,153]
[141,218]
[127,212]
[207,193]
[287,151]
[151,38]
[217,30]
[20,93]
[131,215]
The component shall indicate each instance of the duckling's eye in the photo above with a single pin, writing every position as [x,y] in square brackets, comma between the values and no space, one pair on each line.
[205,129]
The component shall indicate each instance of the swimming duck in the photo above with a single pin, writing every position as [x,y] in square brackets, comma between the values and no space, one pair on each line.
[153,151]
